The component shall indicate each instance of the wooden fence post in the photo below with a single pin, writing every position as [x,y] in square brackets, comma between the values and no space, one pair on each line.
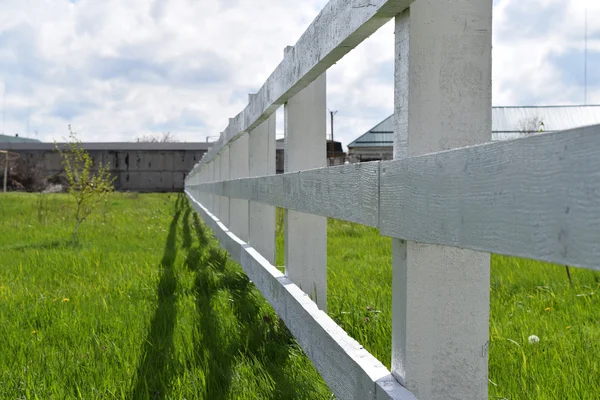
[210,178]
[203,179]
[238,160]
[198,178]
[441,294]
[223,176]
[306,234]
[262,163]
[216,162]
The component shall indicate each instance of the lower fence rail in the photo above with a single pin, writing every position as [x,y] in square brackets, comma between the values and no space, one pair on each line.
[350,371]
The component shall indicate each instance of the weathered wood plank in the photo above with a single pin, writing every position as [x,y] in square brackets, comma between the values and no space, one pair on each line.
[224,171]
[239,164]
[216,210]
[263,162]
[442,100]
[503,197]
[346,192]
[306,234]
[339,27]
[350,371]
[210,174]
[535,197]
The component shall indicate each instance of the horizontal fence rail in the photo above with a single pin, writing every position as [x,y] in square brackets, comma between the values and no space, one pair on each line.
[348,192]
[536,197]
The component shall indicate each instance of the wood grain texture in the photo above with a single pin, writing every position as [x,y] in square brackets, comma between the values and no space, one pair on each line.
[536,197]
[210,178]
[305,122]
[442,100]
[340,26]
[224,171]
[350,371]
[216,210]
[346,192]
[262,160]
[239,208]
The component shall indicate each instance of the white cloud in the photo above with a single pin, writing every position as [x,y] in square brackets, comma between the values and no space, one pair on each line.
[118,69]
[538,44]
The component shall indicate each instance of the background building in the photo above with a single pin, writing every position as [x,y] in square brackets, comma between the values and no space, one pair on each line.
[507,123]
[16,139]
[335,154]
[138,166]
[141,167]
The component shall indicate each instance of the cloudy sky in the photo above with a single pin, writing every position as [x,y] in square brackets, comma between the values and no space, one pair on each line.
[119,69]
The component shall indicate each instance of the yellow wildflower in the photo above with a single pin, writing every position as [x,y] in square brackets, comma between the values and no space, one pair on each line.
[547,309]
[65,299]
[34,331]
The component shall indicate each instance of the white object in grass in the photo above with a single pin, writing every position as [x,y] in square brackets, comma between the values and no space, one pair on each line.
[534,339]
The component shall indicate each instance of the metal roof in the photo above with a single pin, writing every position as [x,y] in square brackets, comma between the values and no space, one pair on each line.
[381,134]
[16,139]
[507,123]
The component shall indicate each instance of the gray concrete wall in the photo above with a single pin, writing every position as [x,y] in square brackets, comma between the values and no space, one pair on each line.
[141,167]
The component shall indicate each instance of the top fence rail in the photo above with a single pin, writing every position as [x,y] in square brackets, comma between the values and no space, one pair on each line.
[340,27]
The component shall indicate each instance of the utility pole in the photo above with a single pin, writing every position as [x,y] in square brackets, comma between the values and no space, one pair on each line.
[332,113]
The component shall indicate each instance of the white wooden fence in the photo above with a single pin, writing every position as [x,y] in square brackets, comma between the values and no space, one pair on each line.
[447,206]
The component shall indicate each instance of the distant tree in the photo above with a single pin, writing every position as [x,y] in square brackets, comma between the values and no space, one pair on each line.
[531,126]
[165,137]
[87,188]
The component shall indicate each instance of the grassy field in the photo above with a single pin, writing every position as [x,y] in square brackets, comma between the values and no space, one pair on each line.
[145,306]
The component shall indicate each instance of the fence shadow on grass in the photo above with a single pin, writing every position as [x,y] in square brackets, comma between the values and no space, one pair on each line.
[187,236]
[156,366]
[262,337]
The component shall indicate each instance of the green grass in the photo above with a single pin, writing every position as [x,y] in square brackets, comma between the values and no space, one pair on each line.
[533,298]
[156,311]
[144,307]
[527,298]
